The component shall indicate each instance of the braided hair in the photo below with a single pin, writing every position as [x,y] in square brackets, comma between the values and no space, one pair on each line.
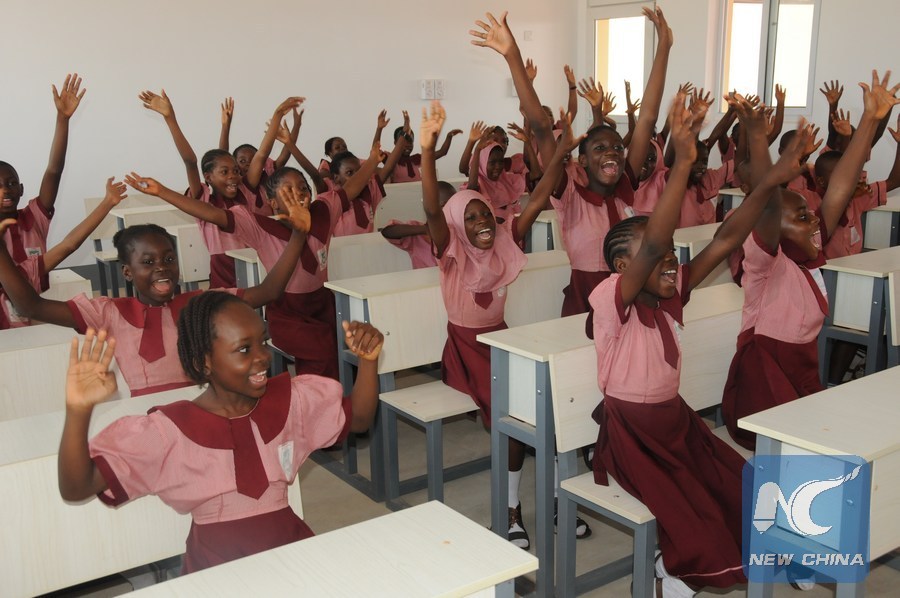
[243,146]
[195,331]
[124,239]
[208,161]
[618,237]
[339,159]
[273,182]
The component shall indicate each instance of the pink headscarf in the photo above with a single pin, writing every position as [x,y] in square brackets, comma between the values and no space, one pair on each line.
[505,191]
[480,270]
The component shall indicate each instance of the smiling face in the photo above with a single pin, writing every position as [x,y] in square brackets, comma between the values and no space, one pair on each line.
[290,180]
[479,224]
[603,158]
[700,165]
[799,224]
[11,191]
[649,163]
[224,177]
[661,284]
[239,358]
[494,166]
[348,168]
[153,268]
[243,158]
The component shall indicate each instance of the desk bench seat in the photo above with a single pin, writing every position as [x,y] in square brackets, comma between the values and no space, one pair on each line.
[427,405]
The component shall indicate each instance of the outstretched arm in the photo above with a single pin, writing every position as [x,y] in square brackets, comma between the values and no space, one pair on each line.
[878,102]
[445,147]
[66,103]
[258,163]
[161,104]
[193,207]
[23,296]
[893,180]
[572,104]
[88,383]
[289,139]
[778,123]
[475,133]
[273,285]
[285,155]
[367,169]
[365,342]
[434,214]
[631,109]
[115,192]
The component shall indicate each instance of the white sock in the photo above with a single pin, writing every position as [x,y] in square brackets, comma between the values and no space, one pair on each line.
[515,477]
[673,587]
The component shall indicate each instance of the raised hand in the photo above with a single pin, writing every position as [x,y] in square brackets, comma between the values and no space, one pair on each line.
[406,128]
[832,93]
[567,140]
[896,133]
[115,192]
[383,120]
[530,69]
[517,132]
[700,102]
[454,132]
[287,105]
[68,100]
[681,134]
[495,35]
[157,102]
[631,107]
[754,100]
[789,163]
[433,122]
[751,119]
[363,340]
[297,206]
[297,118]
[780,94]
[227,111]
[591,91]
[570,75]
[841,123]
[477,131]
[663,31]
[609,103]
[686,88]
[878,99]
[88,380]
[143,184]
[283,134]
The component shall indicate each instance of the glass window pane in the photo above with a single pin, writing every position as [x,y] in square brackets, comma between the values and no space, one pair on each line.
[620,56]
[742,45]
[792,50]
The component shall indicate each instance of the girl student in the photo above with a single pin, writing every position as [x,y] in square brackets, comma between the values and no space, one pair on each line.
[228,456]
[408,166]
[222,184]
[487,175]
[28,235]
[587,212]
[650,440]
[777,359]
[302,318]
[335,146]
[36,267]
[145,323]
[244,153]
[477,261]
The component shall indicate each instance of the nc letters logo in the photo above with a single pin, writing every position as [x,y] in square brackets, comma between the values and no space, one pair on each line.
[806,518]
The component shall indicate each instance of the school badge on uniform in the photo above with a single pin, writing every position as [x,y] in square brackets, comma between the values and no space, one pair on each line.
[322,256]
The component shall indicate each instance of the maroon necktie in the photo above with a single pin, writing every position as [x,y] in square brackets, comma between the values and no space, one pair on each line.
[19,255]
[670,347]
[152,347]
[249,472]
[483,300]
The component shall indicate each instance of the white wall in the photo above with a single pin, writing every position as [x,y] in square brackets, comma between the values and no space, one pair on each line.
[348,58]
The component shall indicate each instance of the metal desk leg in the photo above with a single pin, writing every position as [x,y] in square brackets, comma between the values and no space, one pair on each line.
[544,459]
[499,442]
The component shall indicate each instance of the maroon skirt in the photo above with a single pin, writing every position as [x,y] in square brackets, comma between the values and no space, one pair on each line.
[221,272]
[303,325]
[466,365]
[212,544]
[581,285]
[764,373]
[664,455]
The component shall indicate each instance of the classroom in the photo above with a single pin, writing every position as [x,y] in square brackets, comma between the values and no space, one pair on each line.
[341,64]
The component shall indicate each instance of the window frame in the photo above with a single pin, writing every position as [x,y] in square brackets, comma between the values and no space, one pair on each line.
[769,37]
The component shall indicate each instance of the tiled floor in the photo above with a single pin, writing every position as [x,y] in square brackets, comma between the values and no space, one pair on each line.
[330,503]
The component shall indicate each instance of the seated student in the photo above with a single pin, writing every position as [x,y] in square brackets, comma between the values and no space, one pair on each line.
[412,236]
[777,358]
[407,168]
[245,153]
[227,457]
[651,442]
[502,189]
[35,268]
[847,237]
[145,323]
[337,145]
[515,163]
[28,236]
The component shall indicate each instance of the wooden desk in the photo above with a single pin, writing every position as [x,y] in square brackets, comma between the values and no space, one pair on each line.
[426,550]
[65,284]
[408,309]
[193,256]
[856,287]
[881,226]
[521,405]
[362,255]
[858,418]
[48,544]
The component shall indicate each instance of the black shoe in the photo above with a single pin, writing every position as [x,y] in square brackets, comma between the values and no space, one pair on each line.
[517,534]
[582,529]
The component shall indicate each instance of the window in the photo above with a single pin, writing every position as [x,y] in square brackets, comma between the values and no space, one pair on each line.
[769,42]
[622,43]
